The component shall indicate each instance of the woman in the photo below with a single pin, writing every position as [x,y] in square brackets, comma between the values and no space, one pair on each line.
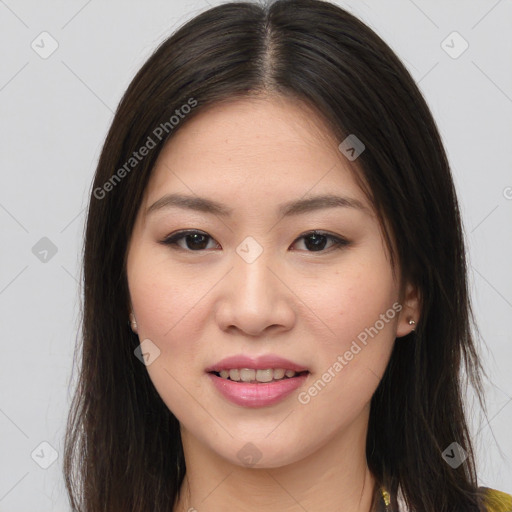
[276,310]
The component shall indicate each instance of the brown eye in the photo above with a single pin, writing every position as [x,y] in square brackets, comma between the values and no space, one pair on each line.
[315,241]
[194,240]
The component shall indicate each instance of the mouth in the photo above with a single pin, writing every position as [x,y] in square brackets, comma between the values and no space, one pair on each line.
[256,382]
[258,376]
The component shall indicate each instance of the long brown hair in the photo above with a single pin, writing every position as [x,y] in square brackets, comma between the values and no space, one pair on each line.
[123,450]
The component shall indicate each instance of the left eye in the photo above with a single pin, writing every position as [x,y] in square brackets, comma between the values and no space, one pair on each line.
[195,241]
[317,241]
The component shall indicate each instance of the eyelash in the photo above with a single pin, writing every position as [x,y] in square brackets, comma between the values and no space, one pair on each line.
[172,240]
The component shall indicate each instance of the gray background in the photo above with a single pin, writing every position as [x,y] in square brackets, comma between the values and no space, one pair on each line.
[54,116]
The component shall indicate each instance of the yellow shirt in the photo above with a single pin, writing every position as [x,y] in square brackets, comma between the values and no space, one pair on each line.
[495,501]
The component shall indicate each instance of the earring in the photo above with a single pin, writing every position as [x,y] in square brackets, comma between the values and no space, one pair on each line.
[133,323]
[412,322]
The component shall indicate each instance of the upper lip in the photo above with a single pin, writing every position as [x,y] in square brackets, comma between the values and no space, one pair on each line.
[264,362]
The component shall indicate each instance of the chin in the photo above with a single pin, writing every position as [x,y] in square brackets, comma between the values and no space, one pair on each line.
[261,454]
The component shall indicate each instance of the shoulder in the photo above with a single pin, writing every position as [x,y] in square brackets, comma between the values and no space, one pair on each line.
[496,501]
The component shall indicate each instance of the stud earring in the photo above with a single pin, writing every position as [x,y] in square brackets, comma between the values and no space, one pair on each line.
[412,322]
[133,323]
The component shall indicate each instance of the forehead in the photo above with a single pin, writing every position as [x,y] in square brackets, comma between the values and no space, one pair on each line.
[255,125]
[256,148]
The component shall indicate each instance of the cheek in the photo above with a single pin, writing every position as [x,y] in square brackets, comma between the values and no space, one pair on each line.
[165,303]
[168,308]
[359,306]
[351,363]
[355,297]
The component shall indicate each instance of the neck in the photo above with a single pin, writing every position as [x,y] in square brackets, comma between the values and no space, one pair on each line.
[334,477]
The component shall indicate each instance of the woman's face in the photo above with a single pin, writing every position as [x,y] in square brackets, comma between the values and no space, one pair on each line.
[250,280]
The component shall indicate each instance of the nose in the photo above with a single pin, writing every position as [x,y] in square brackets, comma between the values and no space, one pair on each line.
[255,298]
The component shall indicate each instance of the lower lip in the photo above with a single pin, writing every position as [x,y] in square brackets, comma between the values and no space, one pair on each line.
[256,395]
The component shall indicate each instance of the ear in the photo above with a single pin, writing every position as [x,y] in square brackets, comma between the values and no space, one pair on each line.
[411,307]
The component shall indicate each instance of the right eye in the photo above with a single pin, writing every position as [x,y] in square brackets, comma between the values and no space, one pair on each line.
[194,241]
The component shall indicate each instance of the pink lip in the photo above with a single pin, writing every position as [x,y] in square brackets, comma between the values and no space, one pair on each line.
[256,395]
[259,363]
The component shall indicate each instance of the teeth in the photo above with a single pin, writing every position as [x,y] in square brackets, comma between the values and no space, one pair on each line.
[278,373]
[246,375]
[234,375]
[264,375]
[251,375]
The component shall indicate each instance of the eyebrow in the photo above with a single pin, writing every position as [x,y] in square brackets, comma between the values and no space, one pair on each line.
[290,208]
